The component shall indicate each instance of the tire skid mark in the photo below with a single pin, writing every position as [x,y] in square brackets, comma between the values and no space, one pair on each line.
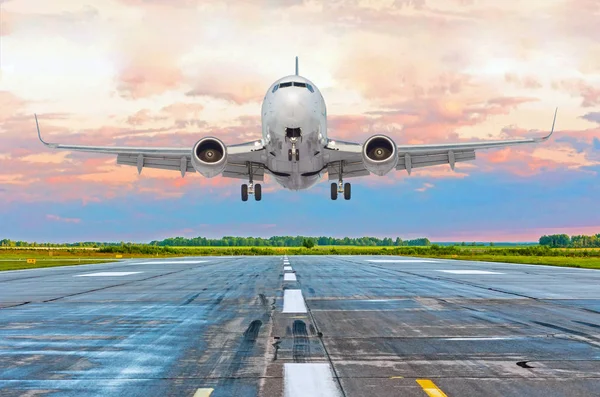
[301,347]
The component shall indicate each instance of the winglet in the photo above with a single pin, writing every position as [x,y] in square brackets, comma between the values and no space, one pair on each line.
[296,66]
[39,133]
[553,123]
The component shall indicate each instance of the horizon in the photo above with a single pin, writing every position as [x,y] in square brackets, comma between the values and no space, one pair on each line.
[128,72]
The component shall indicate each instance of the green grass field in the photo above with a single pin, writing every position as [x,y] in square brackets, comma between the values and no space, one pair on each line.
[14,259]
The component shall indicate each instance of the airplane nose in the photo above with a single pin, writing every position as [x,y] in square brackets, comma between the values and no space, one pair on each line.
[292,110]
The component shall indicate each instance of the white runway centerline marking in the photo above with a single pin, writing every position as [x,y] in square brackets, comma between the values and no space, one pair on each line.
[159,262]
[287,268]
[107,274]
[289,277]
[309,379]
[293,301]
[468,272]
[475,338]
[400,261]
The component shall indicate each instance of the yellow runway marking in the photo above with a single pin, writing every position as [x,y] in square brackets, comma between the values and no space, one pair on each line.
[396,377]
[430,388]
[203,392]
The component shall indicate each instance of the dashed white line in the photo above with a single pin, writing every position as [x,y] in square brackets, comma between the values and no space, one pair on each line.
[309,379]
[106,274]
[482,338]
[293,301]
[468,272]
[204,392]
[289,277]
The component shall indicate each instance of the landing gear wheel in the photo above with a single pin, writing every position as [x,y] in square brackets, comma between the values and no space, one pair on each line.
[289,154]
[347,191]
[244,192]
[297,155]
[334,191]
[257,192]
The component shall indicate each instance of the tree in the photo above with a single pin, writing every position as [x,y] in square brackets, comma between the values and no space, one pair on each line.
[308,243]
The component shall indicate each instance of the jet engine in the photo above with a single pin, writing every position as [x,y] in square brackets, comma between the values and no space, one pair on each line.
[209,156]
[379,154]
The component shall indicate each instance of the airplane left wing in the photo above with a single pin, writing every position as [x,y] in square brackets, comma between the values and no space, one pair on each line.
[239,157]
[349,157]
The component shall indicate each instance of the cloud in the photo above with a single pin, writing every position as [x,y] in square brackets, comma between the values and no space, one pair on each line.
[529,82]
[589,93]
[10,104]
[425,187]
[594,117]
[6,24]
[56,218]
[229,82]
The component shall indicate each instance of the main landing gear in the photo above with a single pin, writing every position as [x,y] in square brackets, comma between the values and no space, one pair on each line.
[251,188]
[341,187]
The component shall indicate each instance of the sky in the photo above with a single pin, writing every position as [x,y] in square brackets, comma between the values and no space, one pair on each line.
[168,72]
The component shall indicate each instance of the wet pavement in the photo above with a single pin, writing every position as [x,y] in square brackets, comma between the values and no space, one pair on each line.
[349,326]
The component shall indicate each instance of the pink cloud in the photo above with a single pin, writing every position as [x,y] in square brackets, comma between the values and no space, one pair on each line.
[57,218]
[240,86]
[529,82]
[6,26]
[590,94]
[148,74]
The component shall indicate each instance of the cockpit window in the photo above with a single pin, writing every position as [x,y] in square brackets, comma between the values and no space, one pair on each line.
[294,84]
[275,88]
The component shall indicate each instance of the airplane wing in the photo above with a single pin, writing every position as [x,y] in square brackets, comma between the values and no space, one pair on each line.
[348,155]
[176,158]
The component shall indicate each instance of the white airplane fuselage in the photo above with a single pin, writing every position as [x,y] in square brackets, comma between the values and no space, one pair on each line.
[294,118]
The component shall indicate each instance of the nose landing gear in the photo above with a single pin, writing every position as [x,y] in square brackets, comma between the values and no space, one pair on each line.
[293,153]
[293,135]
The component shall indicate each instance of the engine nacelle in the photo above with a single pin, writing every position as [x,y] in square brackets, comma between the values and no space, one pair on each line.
[380,154]
[209,156]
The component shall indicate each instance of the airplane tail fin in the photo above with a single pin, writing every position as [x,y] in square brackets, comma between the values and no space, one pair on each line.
[296,66]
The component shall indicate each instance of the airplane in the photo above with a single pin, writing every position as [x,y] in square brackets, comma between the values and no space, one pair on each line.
[295,148]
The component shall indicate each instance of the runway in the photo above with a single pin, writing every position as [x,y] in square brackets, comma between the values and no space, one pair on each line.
[329,326]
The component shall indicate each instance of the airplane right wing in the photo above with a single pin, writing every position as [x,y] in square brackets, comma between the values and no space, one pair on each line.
[349,155]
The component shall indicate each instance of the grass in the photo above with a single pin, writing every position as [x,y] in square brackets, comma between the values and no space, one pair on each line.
[14,259]
[562,261]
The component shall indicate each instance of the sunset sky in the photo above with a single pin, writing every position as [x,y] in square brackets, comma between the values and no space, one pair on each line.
[168,72]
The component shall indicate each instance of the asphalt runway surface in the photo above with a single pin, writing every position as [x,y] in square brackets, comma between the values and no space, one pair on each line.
[307,326]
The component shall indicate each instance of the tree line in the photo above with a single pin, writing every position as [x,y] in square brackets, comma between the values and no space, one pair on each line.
[230,241]
[566,241]
[287,241]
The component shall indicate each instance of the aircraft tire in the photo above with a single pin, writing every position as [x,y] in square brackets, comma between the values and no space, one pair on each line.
[257,192]
[244,192]
[334,192]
